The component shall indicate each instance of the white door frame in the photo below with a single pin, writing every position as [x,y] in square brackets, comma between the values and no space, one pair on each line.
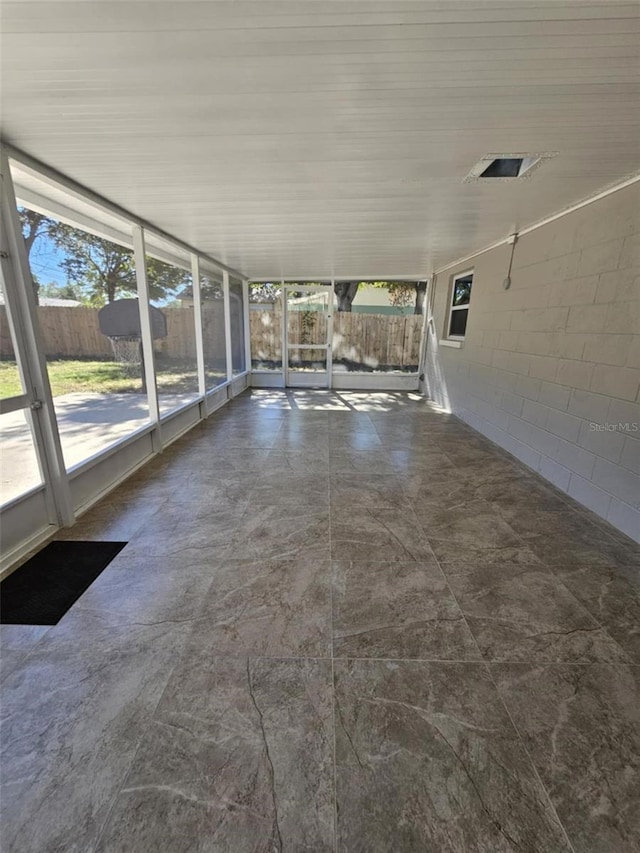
[293,378]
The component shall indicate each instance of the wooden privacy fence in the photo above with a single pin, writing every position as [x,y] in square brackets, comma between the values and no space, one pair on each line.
[362,341]
[75,333]
[377,340]
[66,332]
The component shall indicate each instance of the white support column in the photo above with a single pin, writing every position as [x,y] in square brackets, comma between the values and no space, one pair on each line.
[285,342]
[144,307]
[331,308]
[197,310]
[227,324]
[22,306]
[423,333]
[427,329]
[247,325]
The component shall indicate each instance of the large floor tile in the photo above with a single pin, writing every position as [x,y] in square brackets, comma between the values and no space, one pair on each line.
[570,540]
[238,757]
[612,595]
[191,531]
[408,435]
[148,590]
[72,716]
[312,438]
[422,460]
[397,610]
[296,491]
[368,533]
[16,641]
[427,759]
[226,462]
[466,527]
[114,520]
[276,608]
[581,725]
[434,490]
[268,533]
[380,491]
[361,462]
[518,609]
[214,490]
[295,462]
[354,441]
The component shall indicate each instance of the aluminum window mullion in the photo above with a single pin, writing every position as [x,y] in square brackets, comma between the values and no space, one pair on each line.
[14,404]
[425,328]
[247,325]
[197,310]
[146,336]
[22,309]
[330,308]
[285,334]
[227,324]
[309,346]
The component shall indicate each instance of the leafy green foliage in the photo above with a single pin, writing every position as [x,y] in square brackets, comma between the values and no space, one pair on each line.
[264,291]
[61,291]
[404,293]
[98,270]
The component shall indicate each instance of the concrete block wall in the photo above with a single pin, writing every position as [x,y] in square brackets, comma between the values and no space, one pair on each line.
[550,369]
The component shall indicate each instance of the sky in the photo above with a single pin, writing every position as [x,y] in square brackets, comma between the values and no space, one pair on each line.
[44,261]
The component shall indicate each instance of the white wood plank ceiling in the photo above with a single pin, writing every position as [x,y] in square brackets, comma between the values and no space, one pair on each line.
[320,138]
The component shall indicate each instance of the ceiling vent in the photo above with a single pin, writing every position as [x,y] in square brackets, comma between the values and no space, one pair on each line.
[506,167]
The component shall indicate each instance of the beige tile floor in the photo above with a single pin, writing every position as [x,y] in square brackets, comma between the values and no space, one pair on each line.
[342,622]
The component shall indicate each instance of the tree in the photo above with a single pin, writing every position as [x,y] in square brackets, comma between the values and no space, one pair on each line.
[61,291]
[165,280]
[403,293]
[98,270]
[105,271]
[421,292]
[346,293]
[34,225]
[210,289]
[264,291]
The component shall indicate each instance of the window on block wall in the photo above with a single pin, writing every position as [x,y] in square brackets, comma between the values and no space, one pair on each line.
[459,306]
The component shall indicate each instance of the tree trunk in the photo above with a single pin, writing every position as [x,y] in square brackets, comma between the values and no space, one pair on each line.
[346,293]
[421,290]
[34,222]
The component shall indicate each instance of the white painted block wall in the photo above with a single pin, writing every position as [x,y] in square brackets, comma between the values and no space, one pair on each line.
[556,353]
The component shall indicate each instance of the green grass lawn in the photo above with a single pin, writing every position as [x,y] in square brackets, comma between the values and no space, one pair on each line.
[104,377]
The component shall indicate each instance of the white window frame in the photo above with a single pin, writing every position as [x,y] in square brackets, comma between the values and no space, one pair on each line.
[451,307]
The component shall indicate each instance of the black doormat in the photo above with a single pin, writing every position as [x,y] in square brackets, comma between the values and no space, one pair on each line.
[42,590]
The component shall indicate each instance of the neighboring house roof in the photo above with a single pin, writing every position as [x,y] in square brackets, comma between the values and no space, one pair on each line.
[51,302]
